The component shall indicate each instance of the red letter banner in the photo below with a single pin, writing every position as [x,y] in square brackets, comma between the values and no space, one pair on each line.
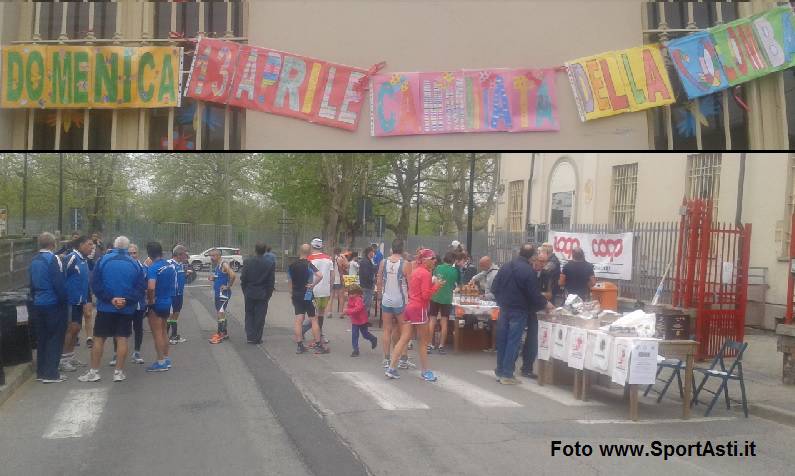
[276,82]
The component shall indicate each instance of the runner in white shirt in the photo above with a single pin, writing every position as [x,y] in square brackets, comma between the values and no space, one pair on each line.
[322,291]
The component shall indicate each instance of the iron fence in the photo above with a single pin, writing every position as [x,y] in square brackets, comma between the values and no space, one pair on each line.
[15,257]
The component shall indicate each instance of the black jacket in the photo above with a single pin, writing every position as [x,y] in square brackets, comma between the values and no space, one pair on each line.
[516,288]
[367,271]
[258,278]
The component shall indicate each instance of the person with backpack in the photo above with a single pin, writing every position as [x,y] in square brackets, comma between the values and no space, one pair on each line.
[392,284]
[518,295]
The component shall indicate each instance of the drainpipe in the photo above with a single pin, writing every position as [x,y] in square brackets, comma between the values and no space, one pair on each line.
[738,218]
[530,190]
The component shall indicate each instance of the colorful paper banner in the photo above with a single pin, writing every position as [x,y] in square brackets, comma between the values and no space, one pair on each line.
[71,77]
[739,51]
[505,100]
[276,82]
[620,81]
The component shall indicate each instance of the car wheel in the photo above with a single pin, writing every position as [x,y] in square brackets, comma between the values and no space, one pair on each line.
[197,266]
[235,266]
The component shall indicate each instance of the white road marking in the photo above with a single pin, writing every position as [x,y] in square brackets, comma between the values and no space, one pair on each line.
[78,414]
[472,393]
[385,393]
[652,422]
[559,395]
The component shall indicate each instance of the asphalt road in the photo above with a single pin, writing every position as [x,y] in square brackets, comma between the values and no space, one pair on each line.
[237,408]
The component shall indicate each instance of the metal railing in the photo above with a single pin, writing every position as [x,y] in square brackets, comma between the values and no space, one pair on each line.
[15,257]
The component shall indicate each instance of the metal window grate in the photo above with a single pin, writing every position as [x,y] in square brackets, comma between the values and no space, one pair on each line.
[625,191]
[75,23]
[703,178]
[676,127]
[516,195]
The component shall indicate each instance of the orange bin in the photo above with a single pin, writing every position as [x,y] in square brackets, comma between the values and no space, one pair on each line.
[607,295]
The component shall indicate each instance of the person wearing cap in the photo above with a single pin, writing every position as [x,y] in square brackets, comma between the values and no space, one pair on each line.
[321,291]
[422,287]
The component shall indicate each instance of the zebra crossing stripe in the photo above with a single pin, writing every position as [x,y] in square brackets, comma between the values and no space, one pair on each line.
[473,393]
[385,393]
[78,414]
[559,395]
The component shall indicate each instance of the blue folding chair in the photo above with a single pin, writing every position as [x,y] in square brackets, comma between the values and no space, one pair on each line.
[676,366]
[735,372]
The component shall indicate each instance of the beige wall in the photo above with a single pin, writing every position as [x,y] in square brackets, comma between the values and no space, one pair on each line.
[661,186]
[438,35]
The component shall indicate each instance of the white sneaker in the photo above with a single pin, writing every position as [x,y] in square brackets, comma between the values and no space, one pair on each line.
[66,366]
[91,376]
[112,362]
[136,358]
[119,376]
[60,379]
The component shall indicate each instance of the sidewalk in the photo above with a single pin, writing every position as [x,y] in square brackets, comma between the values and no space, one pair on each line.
[762,365]
[15,376]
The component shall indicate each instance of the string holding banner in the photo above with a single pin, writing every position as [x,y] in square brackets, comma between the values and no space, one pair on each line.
[361,85]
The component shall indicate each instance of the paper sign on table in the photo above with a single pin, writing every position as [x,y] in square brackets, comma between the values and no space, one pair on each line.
[643,362]
[544,338]
[602,350]
[560,350]
[578,339]
[22,314]
[622,349]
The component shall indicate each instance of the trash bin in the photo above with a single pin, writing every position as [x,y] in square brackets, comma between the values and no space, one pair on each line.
[607,295]
[15,342]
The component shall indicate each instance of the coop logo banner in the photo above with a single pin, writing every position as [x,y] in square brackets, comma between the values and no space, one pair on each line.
[72,77]
[493,100]
[620,81]
[734,53]
[609,253]
[276,82]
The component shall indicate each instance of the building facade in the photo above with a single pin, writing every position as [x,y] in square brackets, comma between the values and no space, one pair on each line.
[624,189]
[428,35]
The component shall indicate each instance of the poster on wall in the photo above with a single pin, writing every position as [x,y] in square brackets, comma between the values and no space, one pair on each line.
[276,82]
[735,52]
[609,253]
[620,81]
[493,100]
[81,77]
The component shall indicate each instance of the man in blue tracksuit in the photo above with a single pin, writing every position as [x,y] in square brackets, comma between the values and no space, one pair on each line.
[76,268]
[117,282]
[517,292]
[179,260]
[48,291]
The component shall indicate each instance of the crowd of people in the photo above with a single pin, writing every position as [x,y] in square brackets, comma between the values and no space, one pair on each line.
[415,294]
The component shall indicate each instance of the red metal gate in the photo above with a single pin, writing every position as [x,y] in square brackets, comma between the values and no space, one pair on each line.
[712,275]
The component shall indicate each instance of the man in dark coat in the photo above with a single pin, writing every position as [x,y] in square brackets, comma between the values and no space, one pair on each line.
[257,281]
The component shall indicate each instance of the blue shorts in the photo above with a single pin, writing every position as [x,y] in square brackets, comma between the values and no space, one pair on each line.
[162,313]
[75,313]
[222,301]
[392,310]
[176,303]
[112,324]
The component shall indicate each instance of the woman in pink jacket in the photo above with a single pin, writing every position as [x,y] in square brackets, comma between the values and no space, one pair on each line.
[421,288]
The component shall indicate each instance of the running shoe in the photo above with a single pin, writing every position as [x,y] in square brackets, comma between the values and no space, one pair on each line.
[392,373]
[112,362]
[76,362]
[374,342]
[300,349]
[509,381]
[321,350]
[441,351]
[216,338]
[386,363]
[355,353]
[91,376]
[60,379]
[429,348]
[157,367]
[66,366]
[168,361]
[172,340]
[136,358]
[428,376]
[118,376]
[406,364]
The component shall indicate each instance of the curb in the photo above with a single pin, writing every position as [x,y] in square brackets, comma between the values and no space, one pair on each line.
[15,377]
[769,412]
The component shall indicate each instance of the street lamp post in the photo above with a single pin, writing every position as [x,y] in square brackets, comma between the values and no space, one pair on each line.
[417,220]
[471,205]
[25,196]
[60,193]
